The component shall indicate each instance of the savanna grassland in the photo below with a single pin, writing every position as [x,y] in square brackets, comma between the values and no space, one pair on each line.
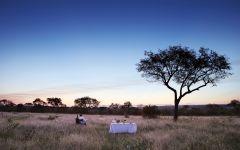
[59,131]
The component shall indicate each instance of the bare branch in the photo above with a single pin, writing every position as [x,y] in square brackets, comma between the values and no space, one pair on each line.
[195,89]
[183,83]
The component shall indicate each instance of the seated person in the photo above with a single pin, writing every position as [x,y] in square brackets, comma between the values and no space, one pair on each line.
[81,120]
[77,120]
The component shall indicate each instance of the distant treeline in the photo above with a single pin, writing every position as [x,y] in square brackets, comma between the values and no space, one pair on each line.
[87,105]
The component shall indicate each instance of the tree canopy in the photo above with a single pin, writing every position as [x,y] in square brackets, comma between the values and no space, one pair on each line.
[86,102]
[114,106]
[55,102]
[5,102]
[127,104]
[39,102]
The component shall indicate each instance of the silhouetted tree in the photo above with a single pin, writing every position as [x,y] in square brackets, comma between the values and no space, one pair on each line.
[20,107]
[55,102]
[127,104]
[114,106]
[187,68]
[80,102]
[5,102]
[28,104]
[126,107]
[86,102]
[234,103]
[63,105]
[39,102]
[150,111]
[94,103]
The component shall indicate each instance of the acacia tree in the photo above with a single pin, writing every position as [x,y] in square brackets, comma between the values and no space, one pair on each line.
[188,69]
[86,102]
[5,102]
[39,102]
[114,106]
[55,102]
[126,106]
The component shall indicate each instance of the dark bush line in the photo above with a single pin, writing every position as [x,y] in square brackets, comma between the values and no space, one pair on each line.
[150,111]
[147,111]
[70,110]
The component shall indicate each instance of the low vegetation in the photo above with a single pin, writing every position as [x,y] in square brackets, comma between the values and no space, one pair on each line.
[88,105]
[31,131]
[150,111]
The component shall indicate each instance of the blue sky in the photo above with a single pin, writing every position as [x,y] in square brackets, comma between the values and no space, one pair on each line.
[70,48]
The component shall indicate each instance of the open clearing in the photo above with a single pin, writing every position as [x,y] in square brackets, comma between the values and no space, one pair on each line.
[59,131]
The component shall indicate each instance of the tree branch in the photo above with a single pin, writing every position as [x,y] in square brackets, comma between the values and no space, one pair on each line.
[205,84]
[171,88]
[195,89]
[183,83]
[171,75]
[198,77]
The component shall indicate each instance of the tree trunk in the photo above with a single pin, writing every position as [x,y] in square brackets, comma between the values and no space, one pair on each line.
[176,110]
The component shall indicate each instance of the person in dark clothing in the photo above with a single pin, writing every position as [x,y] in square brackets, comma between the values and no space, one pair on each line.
[77,120]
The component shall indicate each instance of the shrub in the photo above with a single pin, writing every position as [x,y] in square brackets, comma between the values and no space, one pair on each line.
[51,117]
[150,111]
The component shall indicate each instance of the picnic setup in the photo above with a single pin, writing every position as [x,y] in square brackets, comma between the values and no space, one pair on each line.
[122,127]
[116,126]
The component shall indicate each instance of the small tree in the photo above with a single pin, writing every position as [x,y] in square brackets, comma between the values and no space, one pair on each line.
[94,103]
[150,111]
[187,68]
[28,104]
[39,102]
[234,103]
[114,106]
[127,104]
[126,107]
[86,102]
[5,102]
[55,102]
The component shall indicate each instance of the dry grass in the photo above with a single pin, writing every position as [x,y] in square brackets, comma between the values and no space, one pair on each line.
[50,131]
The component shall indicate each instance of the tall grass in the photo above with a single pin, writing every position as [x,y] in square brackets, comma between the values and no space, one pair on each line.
[37,131]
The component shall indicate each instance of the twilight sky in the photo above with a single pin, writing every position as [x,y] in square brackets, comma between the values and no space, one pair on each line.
[76,48]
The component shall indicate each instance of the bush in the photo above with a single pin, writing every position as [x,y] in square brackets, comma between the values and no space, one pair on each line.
[51,117]
[150,111]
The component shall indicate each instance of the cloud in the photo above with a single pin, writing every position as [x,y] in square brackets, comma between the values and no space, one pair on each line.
[69,90]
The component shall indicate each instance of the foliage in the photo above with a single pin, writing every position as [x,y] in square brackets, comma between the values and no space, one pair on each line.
[127,104]
[234,103]
[236,106]
[86,102]
[55,102]
[5,102]
[231,109]
[52,117]
[28,104]
[39,102]
[126,107]
[150,111]
[114,106]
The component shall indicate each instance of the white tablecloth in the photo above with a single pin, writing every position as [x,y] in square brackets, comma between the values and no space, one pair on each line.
[123,128]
